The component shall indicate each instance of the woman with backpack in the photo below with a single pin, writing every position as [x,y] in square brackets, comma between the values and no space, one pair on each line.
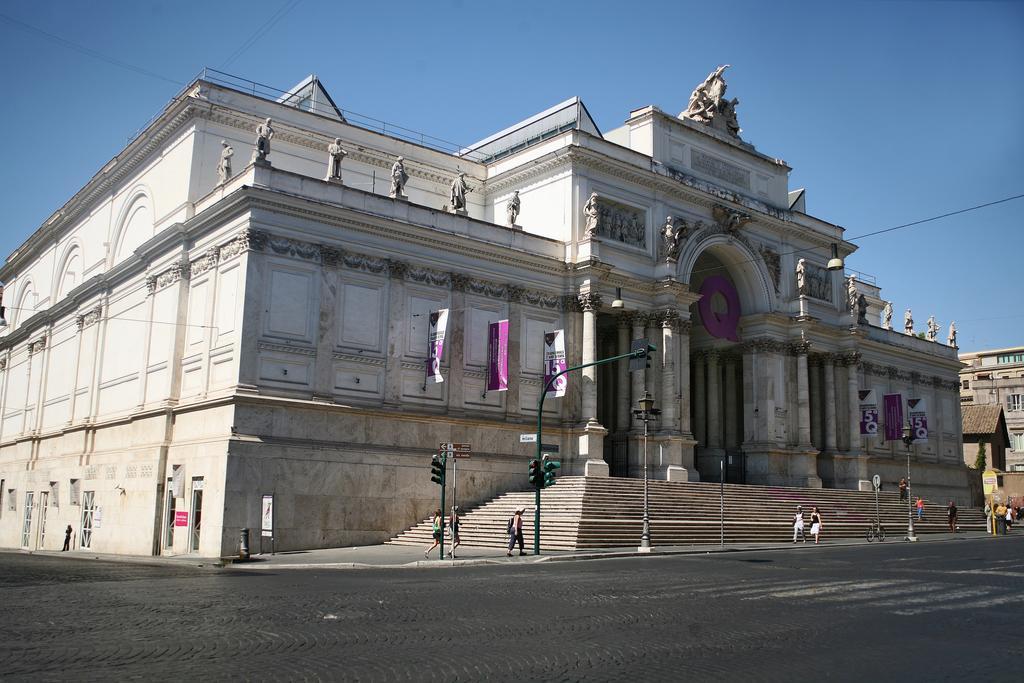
[515,531]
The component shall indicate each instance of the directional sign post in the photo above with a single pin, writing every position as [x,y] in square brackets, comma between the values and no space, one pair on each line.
[452,451]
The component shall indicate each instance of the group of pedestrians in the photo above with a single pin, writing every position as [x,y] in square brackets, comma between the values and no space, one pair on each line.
[437,529]
[798,524]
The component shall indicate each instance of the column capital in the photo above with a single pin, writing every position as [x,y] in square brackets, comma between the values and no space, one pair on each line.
[514,293]
[669,318]
[571,303]
[712,355]
[590,301]
[459,282]
[685,326]
[624,320]
[850,358]
[763,345]
[330,256]
[396,269]
[799,348]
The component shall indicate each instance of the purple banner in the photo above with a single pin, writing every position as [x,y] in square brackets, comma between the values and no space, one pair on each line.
[893,406]
[723,325]
[497,356]
[868,413]
[435,344]
[554,363]
[917,413]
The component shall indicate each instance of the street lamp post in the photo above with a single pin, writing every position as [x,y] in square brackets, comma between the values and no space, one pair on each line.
[646,412]
[908,439]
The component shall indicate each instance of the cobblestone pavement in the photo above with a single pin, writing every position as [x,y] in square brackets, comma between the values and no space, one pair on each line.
[943,611]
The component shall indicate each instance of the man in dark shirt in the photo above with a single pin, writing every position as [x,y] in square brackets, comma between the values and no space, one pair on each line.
[951,516]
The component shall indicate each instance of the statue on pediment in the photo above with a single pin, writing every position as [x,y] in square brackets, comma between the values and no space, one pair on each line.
[398,179]
[592,215]
[908,323]
[862,309]
[335,155]
[933,328]
[512,208]
[730,220]
[457,193]
[224,165]
[709,106]
[264,134]
[952,334]
[801,277]
[887,315]
[851,294]
[673,234]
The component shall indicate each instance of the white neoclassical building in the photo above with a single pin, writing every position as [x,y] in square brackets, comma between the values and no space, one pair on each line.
[184,339]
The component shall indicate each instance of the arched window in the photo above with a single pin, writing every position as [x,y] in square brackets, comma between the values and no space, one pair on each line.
[136,226]
[71,274]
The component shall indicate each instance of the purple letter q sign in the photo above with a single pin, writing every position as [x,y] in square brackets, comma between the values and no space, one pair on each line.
[721,325]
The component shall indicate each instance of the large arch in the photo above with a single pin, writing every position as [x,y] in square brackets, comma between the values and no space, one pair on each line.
[24,303]
[134,224]
[69,273]
[745,267]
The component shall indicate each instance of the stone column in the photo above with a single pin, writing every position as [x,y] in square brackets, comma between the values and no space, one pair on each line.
[456,344]
[731,416]
[683,374]
[591,302]
[397,320]
[591,441]
[814,372]
[669,407]
[830,403]
[852,360]
[714,402]
[803,402]
[622,407]
[513,399]
[699,399]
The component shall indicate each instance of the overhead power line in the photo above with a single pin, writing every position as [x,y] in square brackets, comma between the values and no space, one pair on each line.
[86,50]
[263,29]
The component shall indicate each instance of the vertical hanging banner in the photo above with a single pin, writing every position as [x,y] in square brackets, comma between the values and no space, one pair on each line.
[435,344]
[267,516]
[497,356]
[868,412]
[893,406]
[554,363]
[917,412]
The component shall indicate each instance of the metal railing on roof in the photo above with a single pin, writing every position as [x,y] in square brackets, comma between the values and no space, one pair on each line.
[866,278]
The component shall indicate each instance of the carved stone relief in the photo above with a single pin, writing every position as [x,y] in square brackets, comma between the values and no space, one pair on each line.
[773,263]
[621,223]
[819,282]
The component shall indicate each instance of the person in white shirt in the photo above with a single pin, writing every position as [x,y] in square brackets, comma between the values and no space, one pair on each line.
[798,524]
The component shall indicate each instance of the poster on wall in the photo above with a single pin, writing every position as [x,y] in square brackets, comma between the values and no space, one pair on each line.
[868,413]
[497,356]
[97,518]
[554,363]
[893,407]
[435,344]
[917,413]
[178,481]
[267,516]
[181,518]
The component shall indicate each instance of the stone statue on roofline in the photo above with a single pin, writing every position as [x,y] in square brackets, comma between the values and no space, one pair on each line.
[952,334]
[933,329]
[851,294]
[457,193]
[224,165]
[862,309]
[512,208]
[398,179]
[335,155]
[264,134]
[908,323]
[801,277]
[709,106]
[887,315]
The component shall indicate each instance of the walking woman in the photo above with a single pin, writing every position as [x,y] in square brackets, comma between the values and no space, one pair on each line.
[815,524]
[453,524]
[515,531]
[438,530]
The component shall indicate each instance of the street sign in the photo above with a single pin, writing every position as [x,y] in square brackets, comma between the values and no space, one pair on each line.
[461,454]
[989,481]
[528,438]
[449,447]
[876,481]
[549,448]
[638,362]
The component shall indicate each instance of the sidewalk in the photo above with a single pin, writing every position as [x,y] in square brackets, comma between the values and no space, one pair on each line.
[411,557]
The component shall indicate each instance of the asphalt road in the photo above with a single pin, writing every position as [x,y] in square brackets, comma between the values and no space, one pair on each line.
[930,611]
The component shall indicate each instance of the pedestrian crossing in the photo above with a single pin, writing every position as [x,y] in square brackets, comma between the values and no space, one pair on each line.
[927,592]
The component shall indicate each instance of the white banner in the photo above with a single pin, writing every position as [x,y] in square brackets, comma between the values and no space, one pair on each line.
[435,344]
[554,363]
[178,481]
[267,514]
[917,413]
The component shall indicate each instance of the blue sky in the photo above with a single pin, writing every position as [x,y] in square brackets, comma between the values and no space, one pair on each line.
[888,112]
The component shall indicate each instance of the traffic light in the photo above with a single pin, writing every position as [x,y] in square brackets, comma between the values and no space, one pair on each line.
[550,467]
[536,474]
[437,468]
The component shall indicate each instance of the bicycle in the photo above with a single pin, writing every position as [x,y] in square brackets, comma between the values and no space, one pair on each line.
[875,531]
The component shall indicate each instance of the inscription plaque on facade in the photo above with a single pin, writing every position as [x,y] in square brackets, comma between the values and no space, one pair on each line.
[717,168]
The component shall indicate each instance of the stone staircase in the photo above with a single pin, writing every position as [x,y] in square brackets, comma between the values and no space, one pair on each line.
[605,512]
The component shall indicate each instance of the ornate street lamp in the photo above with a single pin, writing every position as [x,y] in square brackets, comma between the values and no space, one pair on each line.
[646,412]
[908,439]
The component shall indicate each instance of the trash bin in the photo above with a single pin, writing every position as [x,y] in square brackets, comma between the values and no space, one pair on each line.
[243,544]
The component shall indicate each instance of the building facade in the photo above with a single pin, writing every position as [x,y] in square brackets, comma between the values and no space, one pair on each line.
[996,377]
[195,330]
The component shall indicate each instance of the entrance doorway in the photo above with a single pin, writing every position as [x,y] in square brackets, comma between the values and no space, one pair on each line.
[44,498]
[26,528]
[169,518]
[88,511]
[196,518]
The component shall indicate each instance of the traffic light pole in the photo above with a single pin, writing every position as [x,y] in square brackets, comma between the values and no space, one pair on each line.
[444,485]
[636,353]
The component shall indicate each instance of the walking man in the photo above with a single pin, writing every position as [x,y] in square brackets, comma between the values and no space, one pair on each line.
[798,524]
[515,531]
[67,539]
[920,508]
[951,517]
[903,489]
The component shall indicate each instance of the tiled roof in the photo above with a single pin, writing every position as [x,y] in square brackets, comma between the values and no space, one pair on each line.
[983,419]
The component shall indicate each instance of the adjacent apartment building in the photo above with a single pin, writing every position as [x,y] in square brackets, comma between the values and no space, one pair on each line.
[996,378]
